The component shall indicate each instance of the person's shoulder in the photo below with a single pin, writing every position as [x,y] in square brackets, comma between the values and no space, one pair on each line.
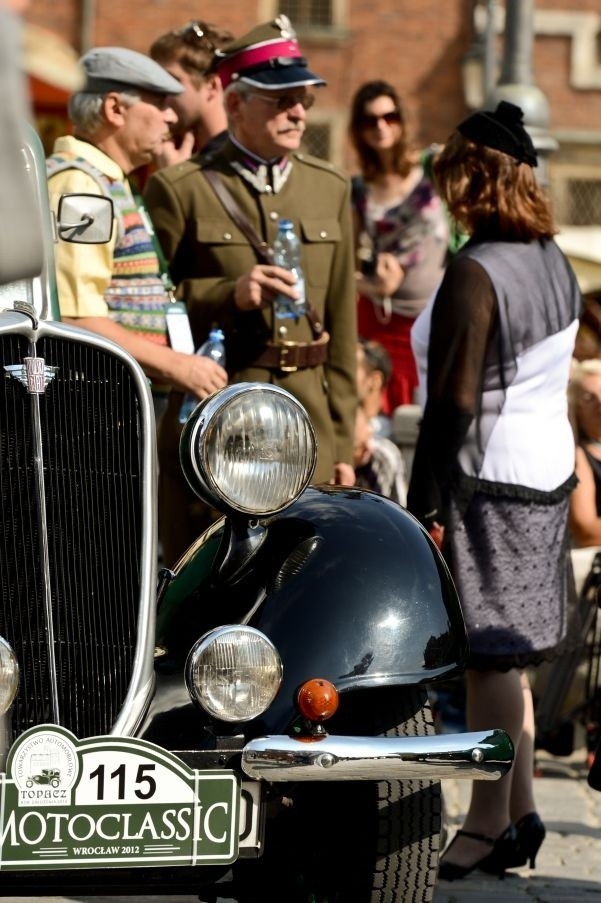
[319,165]
[177,172]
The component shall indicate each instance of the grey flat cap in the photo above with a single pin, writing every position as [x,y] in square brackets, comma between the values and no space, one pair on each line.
[116,69]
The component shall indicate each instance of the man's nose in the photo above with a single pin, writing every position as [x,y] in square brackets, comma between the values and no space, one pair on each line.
[170,115]
[297,111]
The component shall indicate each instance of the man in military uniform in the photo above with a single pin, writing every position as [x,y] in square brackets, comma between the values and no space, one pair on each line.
[218,271]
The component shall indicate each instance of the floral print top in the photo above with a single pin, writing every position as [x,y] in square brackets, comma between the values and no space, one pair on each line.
[416,231]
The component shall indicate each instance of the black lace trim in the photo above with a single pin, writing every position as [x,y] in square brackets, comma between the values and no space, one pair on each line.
[482,662]
[465,487]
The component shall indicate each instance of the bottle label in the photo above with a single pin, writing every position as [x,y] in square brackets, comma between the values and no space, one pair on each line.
[300,305]
[286,308]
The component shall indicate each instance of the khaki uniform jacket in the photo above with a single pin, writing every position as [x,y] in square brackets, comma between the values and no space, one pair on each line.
[207,253]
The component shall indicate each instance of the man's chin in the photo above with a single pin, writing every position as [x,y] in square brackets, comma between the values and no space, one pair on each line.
[290,140]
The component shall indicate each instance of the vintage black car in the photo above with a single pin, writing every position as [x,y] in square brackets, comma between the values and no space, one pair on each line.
[253,724]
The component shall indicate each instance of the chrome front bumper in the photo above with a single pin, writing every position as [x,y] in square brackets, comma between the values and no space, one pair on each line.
[474,756]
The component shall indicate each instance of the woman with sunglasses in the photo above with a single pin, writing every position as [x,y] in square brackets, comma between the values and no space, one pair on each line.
[401,232]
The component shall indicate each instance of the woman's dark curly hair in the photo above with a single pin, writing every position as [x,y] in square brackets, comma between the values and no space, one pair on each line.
[369,160]
[490,193]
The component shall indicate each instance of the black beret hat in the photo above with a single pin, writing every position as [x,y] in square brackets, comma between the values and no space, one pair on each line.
[502,130]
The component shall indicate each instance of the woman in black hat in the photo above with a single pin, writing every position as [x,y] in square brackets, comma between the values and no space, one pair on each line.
[494,461]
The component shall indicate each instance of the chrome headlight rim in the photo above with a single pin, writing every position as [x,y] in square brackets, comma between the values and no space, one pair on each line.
[8,660]
[195,448]
[202,647]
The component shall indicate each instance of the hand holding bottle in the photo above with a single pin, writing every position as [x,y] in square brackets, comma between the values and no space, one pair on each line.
[261,285]
[211,350]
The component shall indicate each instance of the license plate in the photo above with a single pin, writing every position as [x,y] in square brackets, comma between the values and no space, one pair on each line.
[115,801]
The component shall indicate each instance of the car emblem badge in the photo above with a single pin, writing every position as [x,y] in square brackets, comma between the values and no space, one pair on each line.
[33,374]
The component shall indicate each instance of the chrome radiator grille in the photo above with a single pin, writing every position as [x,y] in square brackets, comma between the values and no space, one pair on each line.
[90,428]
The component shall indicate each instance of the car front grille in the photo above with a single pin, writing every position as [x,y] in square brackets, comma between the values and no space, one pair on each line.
[90,499]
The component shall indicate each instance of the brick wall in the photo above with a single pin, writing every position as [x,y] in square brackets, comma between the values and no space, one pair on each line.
[417,45]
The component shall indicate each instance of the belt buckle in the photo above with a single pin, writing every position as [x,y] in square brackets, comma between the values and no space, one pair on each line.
[285,351]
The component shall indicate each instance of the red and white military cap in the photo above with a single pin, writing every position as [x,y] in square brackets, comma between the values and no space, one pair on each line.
[267,57]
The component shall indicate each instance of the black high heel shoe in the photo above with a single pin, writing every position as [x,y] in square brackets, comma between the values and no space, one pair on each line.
[530,833]
[503,849]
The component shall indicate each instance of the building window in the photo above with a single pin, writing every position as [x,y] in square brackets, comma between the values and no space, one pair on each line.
[577,202]
[308,13]
[317,140]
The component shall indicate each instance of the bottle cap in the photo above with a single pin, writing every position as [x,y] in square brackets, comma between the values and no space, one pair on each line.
[285,224]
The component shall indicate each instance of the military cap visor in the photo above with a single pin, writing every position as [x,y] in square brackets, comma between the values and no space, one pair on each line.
[117,69]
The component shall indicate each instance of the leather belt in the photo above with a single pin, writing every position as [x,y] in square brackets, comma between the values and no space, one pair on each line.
[288,357]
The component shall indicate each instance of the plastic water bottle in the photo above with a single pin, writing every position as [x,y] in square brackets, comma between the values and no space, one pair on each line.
[287,254]
[213,348]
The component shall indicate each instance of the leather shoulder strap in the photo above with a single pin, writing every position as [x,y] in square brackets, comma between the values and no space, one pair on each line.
[263,251]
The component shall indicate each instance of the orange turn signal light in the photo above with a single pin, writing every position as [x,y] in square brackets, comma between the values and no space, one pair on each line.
[317,699]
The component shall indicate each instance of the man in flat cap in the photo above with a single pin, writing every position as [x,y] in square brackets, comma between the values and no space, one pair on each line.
[187,54]
[122,289]
[226,281]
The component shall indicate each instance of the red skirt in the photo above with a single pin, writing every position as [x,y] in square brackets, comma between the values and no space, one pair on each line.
[394,336]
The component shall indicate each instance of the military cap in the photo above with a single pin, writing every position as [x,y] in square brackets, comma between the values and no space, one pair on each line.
[267,57]
[501,129]
[117,69]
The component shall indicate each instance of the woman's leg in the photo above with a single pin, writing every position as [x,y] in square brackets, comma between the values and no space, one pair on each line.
[522,790]
[494,699]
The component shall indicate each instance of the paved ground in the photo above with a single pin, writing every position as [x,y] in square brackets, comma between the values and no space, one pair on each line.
[568,866]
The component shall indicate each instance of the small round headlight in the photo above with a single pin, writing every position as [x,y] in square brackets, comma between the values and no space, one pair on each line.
[9,676]
[249,448]
[234,673]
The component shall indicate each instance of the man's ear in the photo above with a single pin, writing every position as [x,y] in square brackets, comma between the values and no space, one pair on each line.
[213,82]
[113,108]
[233,101]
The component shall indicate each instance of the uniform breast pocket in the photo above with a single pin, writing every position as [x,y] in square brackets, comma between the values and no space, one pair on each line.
[321,238]
[221,242]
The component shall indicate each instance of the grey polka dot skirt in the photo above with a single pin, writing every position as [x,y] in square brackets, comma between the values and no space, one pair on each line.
[510,562]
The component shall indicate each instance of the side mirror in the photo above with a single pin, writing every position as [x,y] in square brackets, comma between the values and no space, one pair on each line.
[85,218]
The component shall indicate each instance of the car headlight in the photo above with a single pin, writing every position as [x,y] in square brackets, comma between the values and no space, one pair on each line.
[249,448]
[234,673]
[9,676]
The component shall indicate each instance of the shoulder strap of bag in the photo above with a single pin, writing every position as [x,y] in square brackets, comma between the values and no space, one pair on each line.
[263,251]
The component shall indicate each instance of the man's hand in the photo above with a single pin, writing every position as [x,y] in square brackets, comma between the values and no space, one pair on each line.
[200,375]
[259,287]
[436,531]
[389,275]
[171,153]
[186,372]
[344,474]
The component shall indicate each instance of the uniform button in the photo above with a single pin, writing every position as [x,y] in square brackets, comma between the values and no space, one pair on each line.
[273,215]
[323,234]
[268,189]
[227,236]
